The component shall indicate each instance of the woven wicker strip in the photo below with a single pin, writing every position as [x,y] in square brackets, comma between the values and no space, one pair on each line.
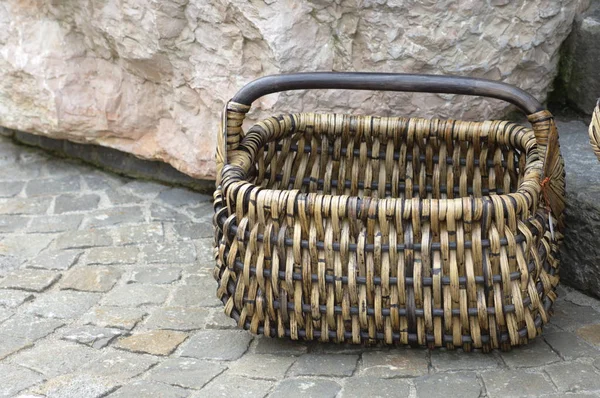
[367,229]
[594,131]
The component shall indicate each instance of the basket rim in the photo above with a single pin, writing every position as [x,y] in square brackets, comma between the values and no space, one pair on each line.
[235,171]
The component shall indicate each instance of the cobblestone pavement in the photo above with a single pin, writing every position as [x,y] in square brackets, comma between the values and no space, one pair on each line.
[106,290]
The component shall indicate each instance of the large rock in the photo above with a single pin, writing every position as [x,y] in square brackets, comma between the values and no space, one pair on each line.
[580,71]
[151,77]
[580,266]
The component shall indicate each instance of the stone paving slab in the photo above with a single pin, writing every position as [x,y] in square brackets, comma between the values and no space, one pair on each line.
[55,260]
[16,378]
[460,384]
[155,342]
[106,290]
[93,336]
[29,280]
[75,386]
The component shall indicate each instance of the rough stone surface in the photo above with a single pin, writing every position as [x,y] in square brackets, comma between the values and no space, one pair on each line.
[47,224]
[112,255]
[11,188]
[235,386]
[197,229]
[152,80]
[66,343]
[13,223]
[536,353]
[149,389]
[10,344]
[373,387]
[591,334]
[69,203]
[5,314]
[306,387]
[13,298]
[156,275]
[272,367]
[20,206]
[222,345]
[14,379]
[158,212]
[402,363]
[580,265]
[135,296]
[570,347]
[119,365]
[516,383]
[56,358]
[144,189]
[570,316]
[83,239]
[63,304]
[180,252]
[8,263]
[205,254]
[156,342]
[99,181]
[186,372]
[577,298]
[179,197]
[91,279]
[115,317]
[443,385]
[323,365]
[203,294]
[219,320]
[93,336]
[453,360]
[29,280]
[55,260]
[178,318]
[29,327]
[75,386]
[21,250]
[27,171]
[118,197]
[579,63]
[575,377]
[50,186]
[114,216]
[134,234]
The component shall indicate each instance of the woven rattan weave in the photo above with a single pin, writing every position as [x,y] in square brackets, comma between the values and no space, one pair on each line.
[364,229]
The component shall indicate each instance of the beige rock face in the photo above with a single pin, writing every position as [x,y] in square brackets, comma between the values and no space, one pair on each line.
[151,77]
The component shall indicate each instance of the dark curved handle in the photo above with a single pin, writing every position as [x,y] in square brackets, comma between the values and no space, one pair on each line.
[388,82]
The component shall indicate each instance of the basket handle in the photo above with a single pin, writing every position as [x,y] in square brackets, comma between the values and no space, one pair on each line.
[236,109]
[387,82]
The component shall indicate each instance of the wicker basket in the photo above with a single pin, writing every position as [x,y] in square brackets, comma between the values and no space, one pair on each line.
[595,130]
[366,229]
